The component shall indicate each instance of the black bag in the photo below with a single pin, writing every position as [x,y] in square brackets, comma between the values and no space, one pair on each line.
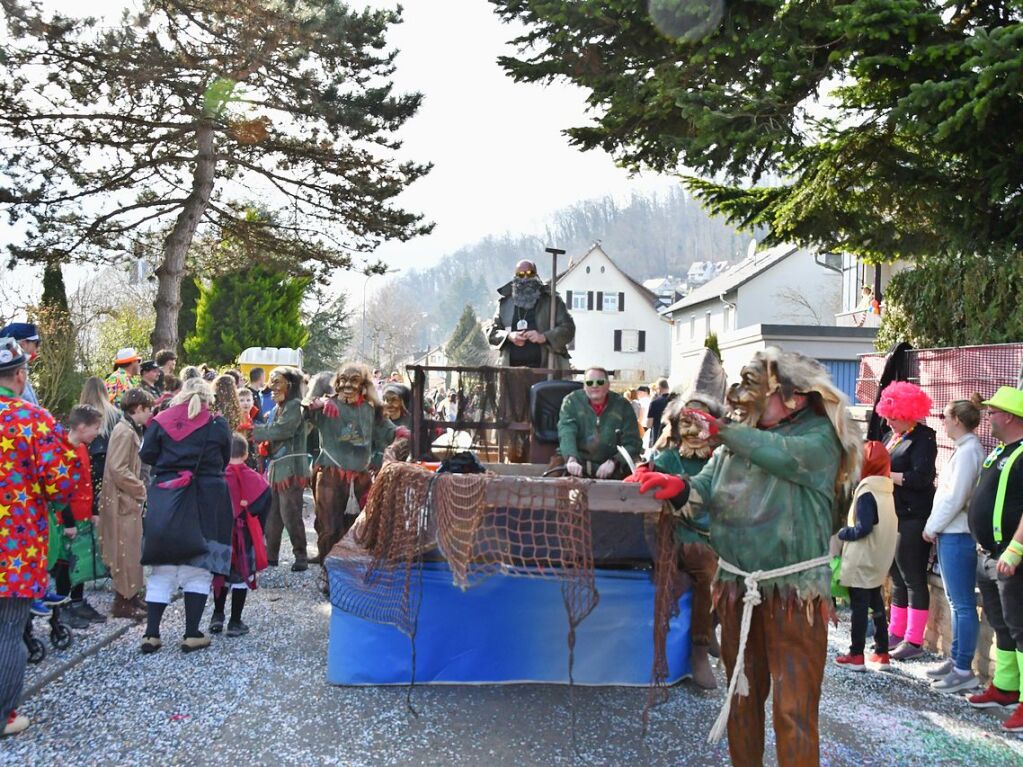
[171,532]
[465,462]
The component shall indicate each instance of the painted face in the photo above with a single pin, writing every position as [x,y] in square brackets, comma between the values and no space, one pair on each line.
[748,397]
[279,387]
[692,440]
[349,385]
[394,408]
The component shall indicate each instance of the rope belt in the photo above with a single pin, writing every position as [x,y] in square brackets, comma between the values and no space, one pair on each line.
[739,685]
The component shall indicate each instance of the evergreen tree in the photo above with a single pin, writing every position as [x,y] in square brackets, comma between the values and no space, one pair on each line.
[54,290]
[467,345]
[186,317]
[115,131]
[253,307]
[711,342]
[330,330]
[894,126]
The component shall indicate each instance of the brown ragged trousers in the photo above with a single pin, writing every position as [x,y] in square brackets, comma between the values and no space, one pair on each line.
[331,494]
[286,512]
[700,562]
[787,646]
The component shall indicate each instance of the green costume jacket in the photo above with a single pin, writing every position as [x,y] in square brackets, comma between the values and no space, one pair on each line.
[353,441]
[286,433]
[770,495]
[694,528]
[584,436]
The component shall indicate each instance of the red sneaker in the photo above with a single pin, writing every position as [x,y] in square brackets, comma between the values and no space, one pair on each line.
[992,697]
[880,659]
[1015,722]
[851,662]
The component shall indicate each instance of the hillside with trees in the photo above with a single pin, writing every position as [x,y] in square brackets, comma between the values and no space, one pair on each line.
[648,236]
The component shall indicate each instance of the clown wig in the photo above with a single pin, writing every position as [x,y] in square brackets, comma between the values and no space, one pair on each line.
[903,401]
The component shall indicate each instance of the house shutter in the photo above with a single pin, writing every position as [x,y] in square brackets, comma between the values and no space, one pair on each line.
[568,299]
[621,302]
[600,301]
[618,340]
[589,300]
[642,341]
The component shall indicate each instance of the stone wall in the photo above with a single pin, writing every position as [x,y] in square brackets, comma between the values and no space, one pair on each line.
[938,637]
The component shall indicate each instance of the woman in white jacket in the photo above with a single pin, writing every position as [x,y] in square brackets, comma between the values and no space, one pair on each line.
[957,551]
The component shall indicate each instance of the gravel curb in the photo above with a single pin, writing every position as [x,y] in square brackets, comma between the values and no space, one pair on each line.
[63,668]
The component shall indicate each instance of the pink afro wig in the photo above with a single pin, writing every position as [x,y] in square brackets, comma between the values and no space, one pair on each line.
[904,401]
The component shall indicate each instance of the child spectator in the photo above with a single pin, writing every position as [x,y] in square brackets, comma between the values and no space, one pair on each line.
[867,555]
[250,503]
[73,548]
[957,551]
[121,505]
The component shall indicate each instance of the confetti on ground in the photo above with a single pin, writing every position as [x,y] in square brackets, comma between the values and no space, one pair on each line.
[262,699]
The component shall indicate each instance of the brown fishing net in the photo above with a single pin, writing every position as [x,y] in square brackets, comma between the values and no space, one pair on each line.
[483,524]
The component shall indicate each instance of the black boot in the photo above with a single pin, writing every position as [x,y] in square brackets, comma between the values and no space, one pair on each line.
[217,619]
[235,627]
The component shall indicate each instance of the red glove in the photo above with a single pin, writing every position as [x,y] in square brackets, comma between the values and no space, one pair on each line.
[245,426]
[642,472]
[708,423]
[264,449]
[669,485]
[330,408]
[402,432]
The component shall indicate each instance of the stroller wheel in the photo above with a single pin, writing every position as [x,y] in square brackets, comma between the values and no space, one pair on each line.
[60,636]
[36,649]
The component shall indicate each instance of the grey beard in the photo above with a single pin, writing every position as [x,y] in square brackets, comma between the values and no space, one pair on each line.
[526,292]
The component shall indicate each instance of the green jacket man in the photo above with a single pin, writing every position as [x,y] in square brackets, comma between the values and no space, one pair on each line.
[592,423]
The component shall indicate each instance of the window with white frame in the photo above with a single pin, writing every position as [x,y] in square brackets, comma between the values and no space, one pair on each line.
[630,340]
[579,300]
[610,302]
[692,326]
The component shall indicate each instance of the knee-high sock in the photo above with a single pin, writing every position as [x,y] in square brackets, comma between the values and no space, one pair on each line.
[897,625]
[194,605]
[917,623]
[154,614]
[1008,664]
[238,603]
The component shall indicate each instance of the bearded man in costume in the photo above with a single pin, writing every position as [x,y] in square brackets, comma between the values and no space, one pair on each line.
[788,449]
[683,449]
[285,431]
[354,432]
[522,333]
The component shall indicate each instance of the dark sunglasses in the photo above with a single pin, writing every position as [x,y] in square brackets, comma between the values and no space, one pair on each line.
[525,274]
[596,382]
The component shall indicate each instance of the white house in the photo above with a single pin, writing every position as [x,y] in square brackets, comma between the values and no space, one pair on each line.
[855,274]
[783,296]
[617,324]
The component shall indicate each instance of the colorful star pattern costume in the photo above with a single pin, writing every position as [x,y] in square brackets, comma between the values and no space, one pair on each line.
[37,465]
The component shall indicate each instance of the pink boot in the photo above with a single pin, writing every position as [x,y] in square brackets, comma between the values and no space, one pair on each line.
[897,625]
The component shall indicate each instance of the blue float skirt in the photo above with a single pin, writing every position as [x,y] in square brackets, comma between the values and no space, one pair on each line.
[509,630]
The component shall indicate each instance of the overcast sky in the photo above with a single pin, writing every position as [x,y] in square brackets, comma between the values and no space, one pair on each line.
[501,162]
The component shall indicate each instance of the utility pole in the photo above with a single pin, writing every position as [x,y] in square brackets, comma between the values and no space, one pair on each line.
[555,252]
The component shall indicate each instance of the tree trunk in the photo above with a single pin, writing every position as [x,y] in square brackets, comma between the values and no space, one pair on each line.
[175,247]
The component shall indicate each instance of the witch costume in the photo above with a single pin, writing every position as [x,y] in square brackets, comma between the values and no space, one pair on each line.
[188,524]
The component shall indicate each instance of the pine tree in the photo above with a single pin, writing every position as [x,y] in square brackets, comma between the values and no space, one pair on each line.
[54,290]
[290,101]
[253,307]
[467,345]
[330,330]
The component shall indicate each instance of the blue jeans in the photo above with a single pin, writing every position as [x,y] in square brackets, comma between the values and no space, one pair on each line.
[957,555]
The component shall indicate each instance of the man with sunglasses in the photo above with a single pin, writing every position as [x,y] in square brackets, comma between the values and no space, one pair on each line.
[521,330]
[593,422]
[996,522]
